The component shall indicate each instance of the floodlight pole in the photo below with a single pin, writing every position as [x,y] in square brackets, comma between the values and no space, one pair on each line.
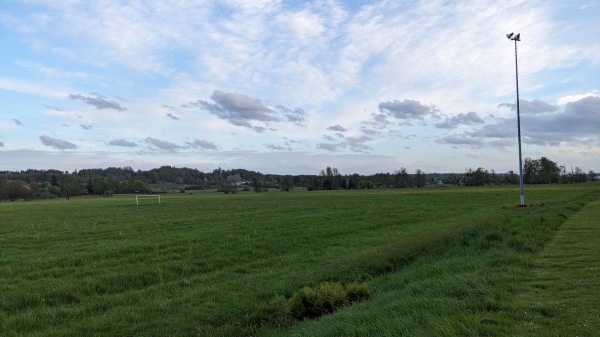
[516,38]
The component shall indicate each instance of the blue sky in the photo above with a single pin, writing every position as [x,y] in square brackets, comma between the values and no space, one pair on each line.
[290,87]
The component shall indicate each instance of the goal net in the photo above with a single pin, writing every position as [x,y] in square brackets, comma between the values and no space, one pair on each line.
[138,197]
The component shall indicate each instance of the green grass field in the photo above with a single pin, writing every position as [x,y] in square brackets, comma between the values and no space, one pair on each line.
[440,261]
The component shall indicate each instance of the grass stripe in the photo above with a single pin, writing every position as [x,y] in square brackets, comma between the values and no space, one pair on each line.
[564,293]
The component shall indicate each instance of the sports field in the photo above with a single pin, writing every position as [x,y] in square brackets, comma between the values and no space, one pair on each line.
[438,262]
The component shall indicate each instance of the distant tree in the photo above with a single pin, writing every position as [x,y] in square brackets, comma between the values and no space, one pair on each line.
[218,174]
[54,180]
[34,189]
[257,185]
[420,178]
[234,180]
[531,169]
[99,185]
[113,183]
[286,183]
[492,178]
[89,186]
[353,181]
[400,176]
[383,180]
[579,175]
[549,171]
[510,178]
[336,178]
[453,179]
[330,178]
[27,193]
[140,186]
[592,176]
[15,190]
[365,184]
[481,176]
[3,189]
[71,185]
[544,171]
[565,177]
[54,191]
[313,183]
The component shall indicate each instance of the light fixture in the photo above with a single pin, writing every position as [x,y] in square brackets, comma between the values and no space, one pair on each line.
[512,36]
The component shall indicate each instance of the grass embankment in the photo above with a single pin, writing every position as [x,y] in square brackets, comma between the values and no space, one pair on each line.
[438,261]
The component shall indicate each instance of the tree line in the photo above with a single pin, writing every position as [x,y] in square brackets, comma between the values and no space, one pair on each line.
[43,184]
[535,171]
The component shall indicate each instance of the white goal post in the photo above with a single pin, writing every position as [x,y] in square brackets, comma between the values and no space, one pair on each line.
[137,201]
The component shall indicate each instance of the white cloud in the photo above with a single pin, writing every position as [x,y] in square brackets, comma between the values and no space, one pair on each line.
[304,26]
[30,88]
[573,98]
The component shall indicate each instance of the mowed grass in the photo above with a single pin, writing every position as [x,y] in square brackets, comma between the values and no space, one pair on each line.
[563,295]
[438,261]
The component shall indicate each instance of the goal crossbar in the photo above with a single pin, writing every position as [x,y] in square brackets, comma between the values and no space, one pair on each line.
[137,197]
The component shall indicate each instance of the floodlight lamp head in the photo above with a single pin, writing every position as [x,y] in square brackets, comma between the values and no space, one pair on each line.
[517,37]
[510,35]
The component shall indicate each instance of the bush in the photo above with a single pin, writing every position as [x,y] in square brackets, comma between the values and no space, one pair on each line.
[227,188]
[356,292]
[311,303]
[304,304]
[330,297]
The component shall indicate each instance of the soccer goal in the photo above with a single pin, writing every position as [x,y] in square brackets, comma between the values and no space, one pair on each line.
[138,197]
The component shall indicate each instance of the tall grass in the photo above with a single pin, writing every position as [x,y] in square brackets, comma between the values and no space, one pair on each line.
[440,261]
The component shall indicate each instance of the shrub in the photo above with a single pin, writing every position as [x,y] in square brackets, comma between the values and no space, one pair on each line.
[227,188]
[303,304]
[330,296]
[356,292]
[314,302]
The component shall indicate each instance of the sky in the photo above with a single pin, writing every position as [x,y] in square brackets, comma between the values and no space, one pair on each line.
[291,87]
